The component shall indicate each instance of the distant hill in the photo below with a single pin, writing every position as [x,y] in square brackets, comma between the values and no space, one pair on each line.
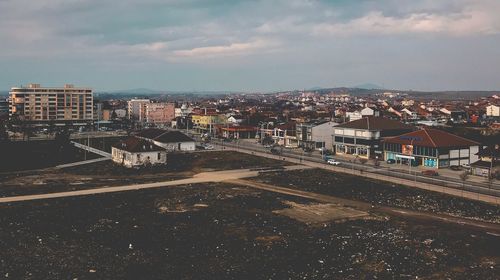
[368,86]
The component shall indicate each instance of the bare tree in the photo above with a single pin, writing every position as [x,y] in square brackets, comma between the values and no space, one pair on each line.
[464,176]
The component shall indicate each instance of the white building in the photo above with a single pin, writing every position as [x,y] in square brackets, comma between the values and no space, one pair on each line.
[133,152]
[493,111]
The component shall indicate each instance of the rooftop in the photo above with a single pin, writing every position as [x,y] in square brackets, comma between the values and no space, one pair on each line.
[431,138]
[135,145]
[375,123]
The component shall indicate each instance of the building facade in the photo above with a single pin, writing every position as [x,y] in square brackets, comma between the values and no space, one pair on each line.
[40,104]
[135,152]
[137,109]
[362,137]
[315,134]
[160,113]
[431,148]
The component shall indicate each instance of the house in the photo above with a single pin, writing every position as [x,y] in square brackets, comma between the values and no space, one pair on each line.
[431,148]
[134,152]
[367,111]
[315,134]
[488,163]
[169,140]
[362,137]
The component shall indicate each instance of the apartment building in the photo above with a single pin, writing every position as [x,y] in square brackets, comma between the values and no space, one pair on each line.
[137,109]
[160,113]
[39,104]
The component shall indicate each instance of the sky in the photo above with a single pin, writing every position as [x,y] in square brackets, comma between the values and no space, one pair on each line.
[239,45]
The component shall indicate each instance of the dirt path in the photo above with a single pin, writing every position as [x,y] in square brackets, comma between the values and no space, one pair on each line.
[391,211]
[204,177]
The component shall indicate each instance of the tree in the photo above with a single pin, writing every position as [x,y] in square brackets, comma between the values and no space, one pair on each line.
[464,176]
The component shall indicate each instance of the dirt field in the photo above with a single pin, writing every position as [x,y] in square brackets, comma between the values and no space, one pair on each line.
[219,231]
[17,156]
[381,193]
[181,165]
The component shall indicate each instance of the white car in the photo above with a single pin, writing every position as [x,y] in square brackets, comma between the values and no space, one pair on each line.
[208,147]
[333,162]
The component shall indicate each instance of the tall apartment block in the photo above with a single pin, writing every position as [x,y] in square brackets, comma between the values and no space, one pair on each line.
[36,103]
[137,109]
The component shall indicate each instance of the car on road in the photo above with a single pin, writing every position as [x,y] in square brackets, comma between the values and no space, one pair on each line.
[333,162]
[455,168]
[430,173]
[208,147]
[391,161]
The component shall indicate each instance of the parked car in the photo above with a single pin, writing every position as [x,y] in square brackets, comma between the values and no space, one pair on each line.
[455,168]
[208,147]
[465,165]
[391,161]
[333,162]
[430,173]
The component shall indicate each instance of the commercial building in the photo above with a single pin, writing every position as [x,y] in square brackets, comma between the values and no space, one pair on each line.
[315,134]
[42,104]
[362,137]
[205,123]
[431,148]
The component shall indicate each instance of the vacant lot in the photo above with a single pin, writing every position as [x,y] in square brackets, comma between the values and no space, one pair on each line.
[26,155]
[381,193]
[219,231]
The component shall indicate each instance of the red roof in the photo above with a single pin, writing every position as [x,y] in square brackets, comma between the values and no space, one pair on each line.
[431,138]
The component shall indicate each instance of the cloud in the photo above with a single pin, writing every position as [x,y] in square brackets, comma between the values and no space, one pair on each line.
[232,49]
[468,22]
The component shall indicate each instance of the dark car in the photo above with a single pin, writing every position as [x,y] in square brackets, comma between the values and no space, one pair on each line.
[455,168]
[430,173]
[391,161]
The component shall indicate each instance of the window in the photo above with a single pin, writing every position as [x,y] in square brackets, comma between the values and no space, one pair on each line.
[159,156]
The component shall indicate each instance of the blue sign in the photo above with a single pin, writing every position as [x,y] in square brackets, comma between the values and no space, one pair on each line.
[411,138]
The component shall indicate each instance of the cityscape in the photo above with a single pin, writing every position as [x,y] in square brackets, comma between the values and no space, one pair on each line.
[288,169]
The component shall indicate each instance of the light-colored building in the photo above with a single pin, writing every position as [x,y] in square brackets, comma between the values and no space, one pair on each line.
[315,134]
[137,109]
[160,113]
[36,103]
[135,152]
[493,111]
